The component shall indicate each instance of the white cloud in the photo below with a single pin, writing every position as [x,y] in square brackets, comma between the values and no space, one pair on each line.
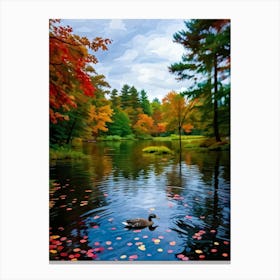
[129,55]
[117,24]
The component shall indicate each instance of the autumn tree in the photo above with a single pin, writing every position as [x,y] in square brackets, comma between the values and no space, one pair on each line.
[144,125]
[176,110]
[206,63]
[70,67]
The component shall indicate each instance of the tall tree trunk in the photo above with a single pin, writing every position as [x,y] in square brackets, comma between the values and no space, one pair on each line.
[215,121]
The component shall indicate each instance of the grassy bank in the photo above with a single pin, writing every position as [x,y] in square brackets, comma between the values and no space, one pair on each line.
[65,152]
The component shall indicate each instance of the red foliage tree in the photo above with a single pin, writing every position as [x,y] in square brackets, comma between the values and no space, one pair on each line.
[69,68]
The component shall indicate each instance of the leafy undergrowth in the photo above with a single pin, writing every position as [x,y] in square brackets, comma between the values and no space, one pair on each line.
[157,150]
[59,153]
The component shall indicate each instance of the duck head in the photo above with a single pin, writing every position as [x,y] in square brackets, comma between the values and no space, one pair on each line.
[152,216]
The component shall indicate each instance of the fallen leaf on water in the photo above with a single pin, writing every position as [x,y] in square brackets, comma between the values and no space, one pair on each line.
[113,228]
[88,191]
[74,259]
[83,241]
[96,217]
[91,255]
[188,217]
[123,256]
[180,256]
[129,244]
[110,248]
[160,250]
[226,242]
[110,219]
[185,259]
[108,242]
[142,247]
[149,255]
[53,251]
[169,251]
[95,226]
[59,248]
[85,237]
[76,250]
[225,255]
[77,255]
[161,237]
[172,243]
[198,251]
[212,231]
[71,256]
[156,241]
[168,230]
[63,238]
[145,236]
[63,254]
[105,194]
[138,243]
[216,243]
[133,257]
[152,209]
[96,243]
[55,236]
[214,250]
[118,238]
[202,256]
[136,238]
[137,230]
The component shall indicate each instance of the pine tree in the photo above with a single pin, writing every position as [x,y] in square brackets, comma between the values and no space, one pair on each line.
[206,63]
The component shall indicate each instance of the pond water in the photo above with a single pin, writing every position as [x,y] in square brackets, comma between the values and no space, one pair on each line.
[90,198]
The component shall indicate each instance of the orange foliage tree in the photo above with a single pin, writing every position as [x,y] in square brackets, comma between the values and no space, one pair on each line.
[69,68]
[144,124]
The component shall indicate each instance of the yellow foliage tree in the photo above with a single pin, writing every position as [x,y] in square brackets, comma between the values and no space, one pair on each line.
[98,118]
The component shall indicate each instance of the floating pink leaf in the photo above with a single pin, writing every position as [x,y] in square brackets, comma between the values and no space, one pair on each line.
[133,257]
[83,241]
[180,256]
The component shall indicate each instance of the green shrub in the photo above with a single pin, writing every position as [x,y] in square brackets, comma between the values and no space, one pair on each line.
[158,150]
[129,137]
[65,153]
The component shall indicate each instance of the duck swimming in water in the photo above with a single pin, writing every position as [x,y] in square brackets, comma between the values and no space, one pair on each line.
[140,222]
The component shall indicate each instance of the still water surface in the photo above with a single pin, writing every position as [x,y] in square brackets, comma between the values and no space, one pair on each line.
[90,198]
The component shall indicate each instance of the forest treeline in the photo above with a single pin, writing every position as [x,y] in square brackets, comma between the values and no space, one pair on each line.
[83,105]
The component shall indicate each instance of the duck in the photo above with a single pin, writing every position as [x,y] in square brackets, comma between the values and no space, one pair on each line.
[140,222]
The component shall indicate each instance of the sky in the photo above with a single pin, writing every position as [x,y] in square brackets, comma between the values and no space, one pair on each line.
[140,52]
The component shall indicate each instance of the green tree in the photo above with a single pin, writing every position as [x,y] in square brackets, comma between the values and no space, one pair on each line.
[145,103]
[120,124]
[206,63]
